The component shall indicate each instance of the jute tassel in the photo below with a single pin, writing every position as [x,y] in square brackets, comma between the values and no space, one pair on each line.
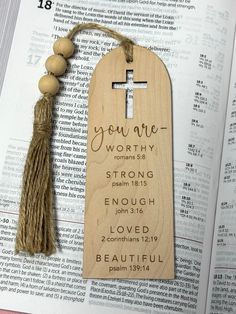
[36,232]
[35,226]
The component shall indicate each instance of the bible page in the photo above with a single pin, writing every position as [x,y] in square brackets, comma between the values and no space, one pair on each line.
[195,39]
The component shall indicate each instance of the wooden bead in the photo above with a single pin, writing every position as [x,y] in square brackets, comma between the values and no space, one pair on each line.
[56,64]
[64,46]
[48,84]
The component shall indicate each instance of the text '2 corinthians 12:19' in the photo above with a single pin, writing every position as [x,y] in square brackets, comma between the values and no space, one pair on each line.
[129,187]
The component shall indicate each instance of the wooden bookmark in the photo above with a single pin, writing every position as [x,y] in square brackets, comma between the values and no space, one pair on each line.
[129,188]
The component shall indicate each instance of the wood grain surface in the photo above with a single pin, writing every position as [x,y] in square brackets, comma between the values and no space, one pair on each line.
[129,184]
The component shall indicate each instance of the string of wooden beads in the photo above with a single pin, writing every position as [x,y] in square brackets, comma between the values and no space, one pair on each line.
[56,65]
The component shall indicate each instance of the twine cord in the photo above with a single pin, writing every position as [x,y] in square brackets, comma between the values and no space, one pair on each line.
[125,42]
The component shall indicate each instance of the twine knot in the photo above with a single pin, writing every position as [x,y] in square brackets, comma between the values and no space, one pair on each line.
[127,45]
[43,128]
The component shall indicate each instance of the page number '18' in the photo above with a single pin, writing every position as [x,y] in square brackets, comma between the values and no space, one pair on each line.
[45,4]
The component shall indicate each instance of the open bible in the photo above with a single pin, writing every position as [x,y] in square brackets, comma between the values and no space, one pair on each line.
[195,39]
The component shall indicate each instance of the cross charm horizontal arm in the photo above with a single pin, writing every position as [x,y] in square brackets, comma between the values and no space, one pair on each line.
[129,86]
